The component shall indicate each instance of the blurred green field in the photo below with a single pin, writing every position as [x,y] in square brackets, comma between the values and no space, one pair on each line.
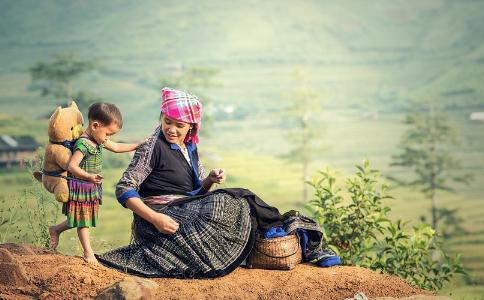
[259,168]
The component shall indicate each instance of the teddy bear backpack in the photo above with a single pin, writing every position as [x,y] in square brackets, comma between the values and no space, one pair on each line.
[65,127]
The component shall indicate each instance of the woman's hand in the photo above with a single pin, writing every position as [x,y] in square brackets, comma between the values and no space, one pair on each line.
[164,223]
[217,176]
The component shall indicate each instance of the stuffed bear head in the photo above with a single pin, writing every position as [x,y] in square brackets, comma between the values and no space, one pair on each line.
[65,124]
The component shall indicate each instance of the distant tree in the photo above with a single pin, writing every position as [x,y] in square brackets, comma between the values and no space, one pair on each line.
[450,222]
[54,78]
[84,99]
[304,131]
[196,80]
[426,151]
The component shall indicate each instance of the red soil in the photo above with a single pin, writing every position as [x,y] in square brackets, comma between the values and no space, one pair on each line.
[55,276]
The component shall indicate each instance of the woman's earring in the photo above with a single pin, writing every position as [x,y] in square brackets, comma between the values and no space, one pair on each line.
[190,132]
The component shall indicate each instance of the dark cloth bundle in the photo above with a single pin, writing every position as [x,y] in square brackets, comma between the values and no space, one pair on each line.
[311,239]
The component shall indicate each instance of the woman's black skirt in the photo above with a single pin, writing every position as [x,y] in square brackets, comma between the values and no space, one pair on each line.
[214,237]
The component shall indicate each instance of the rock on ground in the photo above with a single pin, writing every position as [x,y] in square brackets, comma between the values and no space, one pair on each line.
[130,288]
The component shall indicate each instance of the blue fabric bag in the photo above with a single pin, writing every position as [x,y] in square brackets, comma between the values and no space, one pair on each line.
[322,257]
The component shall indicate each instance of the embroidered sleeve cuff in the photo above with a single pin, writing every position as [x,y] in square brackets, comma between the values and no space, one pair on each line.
[126,195]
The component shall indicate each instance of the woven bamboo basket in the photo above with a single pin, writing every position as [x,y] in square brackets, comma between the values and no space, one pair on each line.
[282,253]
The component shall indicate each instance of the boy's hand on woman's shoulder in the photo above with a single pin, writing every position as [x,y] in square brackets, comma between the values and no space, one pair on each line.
[138,144]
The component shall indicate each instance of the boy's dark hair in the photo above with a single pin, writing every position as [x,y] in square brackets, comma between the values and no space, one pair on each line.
[106,113]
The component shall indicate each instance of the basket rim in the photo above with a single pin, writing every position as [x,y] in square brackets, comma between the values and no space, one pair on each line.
[259,238]
[269,241]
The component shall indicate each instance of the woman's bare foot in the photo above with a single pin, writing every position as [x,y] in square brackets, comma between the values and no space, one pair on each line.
[54,237]
[90,258]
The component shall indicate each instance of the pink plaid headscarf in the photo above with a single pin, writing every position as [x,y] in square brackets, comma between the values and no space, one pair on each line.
[182,107]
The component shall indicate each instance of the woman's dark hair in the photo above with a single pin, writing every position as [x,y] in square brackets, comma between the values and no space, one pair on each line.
[106,113]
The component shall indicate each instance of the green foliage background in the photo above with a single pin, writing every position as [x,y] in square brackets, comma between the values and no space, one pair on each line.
[370,61]
[359,231]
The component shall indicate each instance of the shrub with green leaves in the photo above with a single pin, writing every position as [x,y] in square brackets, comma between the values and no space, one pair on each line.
[356,226]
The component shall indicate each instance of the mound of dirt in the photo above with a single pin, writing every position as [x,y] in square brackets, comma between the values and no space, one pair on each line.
[51,275]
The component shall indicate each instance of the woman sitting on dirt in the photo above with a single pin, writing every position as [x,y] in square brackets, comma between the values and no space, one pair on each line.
[180,229]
